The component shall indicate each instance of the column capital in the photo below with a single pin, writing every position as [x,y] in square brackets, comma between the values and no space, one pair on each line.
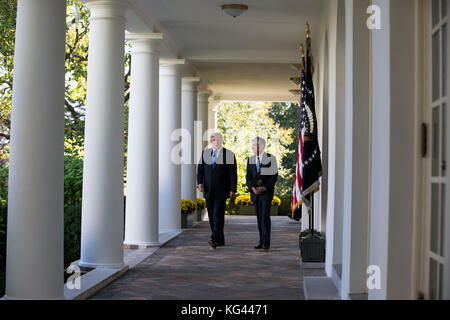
[188,79]
[171,67]
[107,9]
[202,93]
[144,42]
[189,83]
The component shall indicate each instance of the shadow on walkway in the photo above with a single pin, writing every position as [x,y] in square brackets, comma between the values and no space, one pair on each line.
[187,268]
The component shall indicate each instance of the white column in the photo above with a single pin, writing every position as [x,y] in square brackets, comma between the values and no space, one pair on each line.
[188,115]
[357,146]
[102,211]
[203,114]
[336,148]
[34,259]
[212,111]
[394,154]
[169,145]
[141,220]
[202,117]
[215,118]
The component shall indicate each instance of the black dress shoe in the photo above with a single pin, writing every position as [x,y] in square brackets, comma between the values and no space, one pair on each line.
[259,247]
[266,247]
[213,244]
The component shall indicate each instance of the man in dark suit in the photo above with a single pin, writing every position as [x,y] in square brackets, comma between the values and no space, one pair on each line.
[262,174]
[217,179]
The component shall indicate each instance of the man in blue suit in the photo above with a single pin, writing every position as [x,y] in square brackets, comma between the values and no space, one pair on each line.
[217,179]
[262,174]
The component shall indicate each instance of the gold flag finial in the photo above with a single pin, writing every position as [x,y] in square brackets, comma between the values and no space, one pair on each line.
[308,30]
[302,50]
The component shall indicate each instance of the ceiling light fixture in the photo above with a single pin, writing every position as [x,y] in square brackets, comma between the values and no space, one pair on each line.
[234,10]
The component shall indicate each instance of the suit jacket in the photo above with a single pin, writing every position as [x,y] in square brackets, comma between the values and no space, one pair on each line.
[219,181]
[267,176]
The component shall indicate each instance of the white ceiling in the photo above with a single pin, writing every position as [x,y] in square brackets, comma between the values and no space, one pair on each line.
[243,58]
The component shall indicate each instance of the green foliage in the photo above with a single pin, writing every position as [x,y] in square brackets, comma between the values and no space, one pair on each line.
[3,185]
[231,208]
[287,116]
[73,187]
[72,233]
[3,211]
[73,181]
[7,35]
[285,208]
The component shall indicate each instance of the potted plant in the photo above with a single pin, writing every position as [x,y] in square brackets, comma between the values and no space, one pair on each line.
[187,213]
[201,206]
[276,202]
[246,205]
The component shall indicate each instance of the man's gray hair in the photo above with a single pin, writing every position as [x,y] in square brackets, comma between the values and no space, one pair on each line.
[218,136]
[261,141]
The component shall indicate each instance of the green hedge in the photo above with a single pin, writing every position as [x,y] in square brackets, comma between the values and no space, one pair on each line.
[285,208]
[2,248]
[3,211]
[73,187]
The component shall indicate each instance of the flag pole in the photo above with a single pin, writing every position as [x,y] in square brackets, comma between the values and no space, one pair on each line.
[312,246]
[312,212]
[311,195]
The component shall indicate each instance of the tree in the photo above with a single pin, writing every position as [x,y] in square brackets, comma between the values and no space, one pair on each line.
[287,115]
[7,35]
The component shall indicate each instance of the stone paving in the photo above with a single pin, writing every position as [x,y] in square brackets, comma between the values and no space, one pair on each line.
[186,268]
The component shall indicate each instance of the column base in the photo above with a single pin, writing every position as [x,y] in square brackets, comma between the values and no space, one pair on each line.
[102,265]
[140,245]
[170,231]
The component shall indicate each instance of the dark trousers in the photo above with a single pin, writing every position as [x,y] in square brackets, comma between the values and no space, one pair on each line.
[216,215]
[262,207]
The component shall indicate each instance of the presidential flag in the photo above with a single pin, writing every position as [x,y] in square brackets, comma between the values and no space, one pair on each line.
[309,164]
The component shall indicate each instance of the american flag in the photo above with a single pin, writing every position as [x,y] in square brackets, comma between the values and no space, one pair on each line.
[297,192]
[309,165]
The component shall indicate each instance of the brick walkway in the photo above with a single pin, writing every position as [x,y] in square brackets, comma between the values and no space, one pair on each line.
[187,268]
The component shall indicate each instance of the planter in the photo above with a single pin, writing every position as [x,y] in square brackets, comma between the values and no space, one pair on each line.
[274,211]
[312,247]
[201,214]
[187,220]
[250,211]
